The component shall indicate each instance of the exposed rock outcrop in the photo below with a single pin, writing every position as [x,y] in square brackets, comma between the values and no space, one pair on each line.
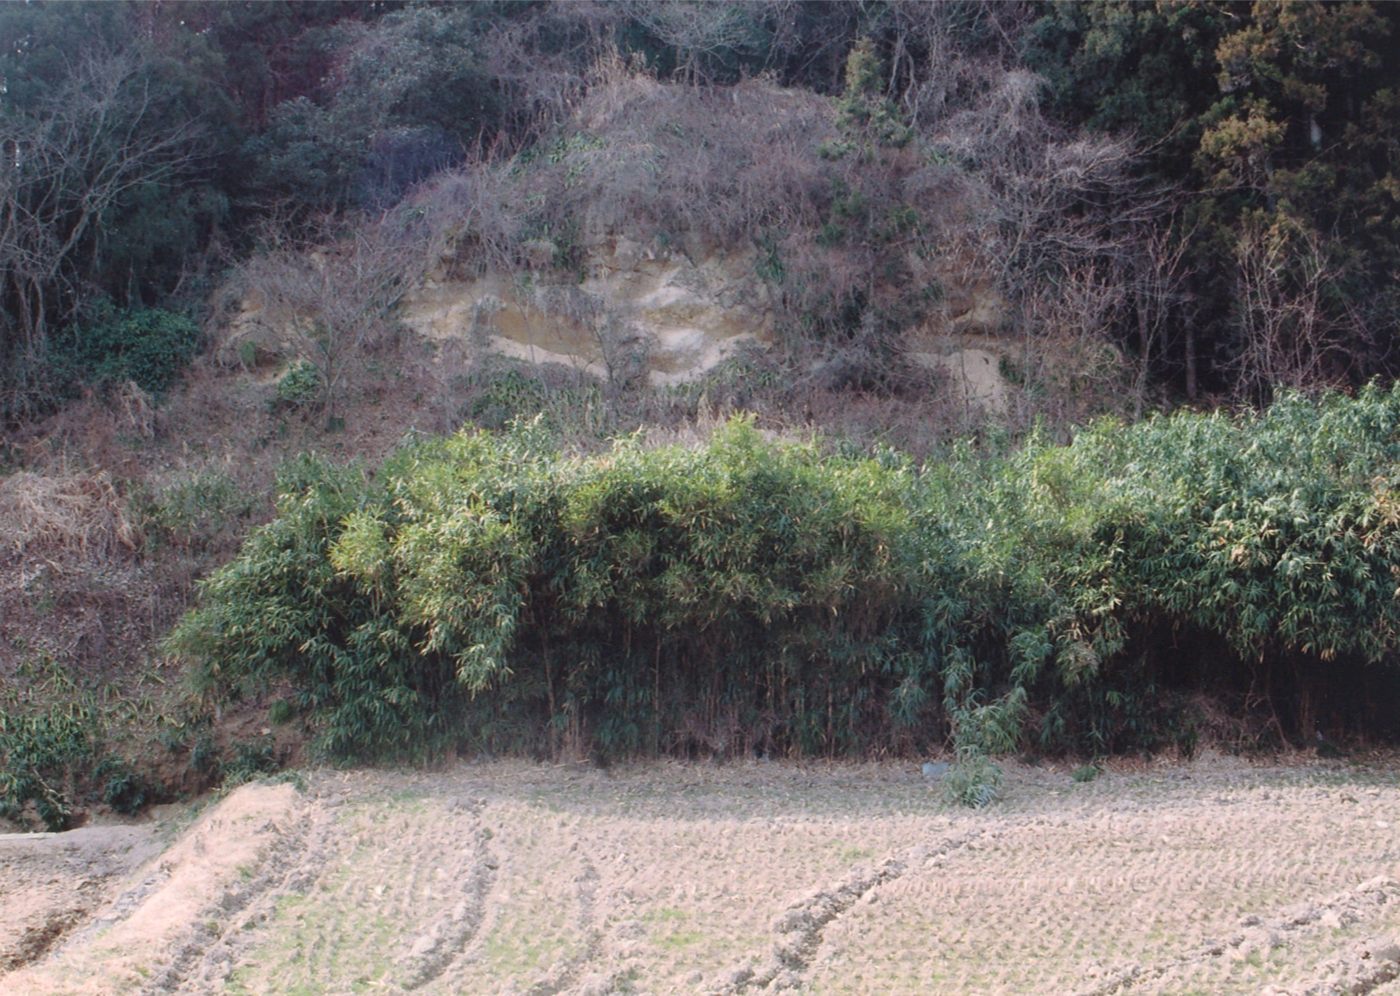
[638,311]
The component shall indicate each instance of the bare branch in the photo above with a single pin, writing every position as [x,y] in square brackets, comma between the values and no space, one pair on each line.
[67,163]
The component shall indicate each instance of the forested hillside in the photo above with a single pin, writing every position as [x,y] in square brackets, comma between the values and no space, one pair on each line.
[1210,188]
[935,240]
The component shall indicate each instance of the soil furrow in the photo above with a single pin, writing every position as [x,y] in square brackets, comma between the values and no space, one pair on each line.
[205,957]
[1368,899]
[800,929]
[587,897]
[92,861]
[433,952]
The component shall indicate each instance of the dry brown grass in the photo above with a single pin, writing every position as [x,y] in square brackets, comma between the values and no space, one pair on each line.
[79,512]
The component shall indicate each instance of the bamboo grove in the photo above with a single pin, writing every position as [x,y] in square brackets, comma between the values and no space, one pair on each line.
[761,595]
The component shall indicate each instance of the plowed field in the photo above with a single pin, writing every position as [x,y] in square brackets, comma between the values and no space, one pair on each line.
[505,877]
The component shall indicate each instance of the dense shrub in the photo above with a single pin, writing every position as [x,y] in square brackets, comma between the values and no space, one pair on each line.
[197,511]
[746,594]
[40,756]
[759,595]
[300,387]
[52,756]
[148,346]
[1269,539]
[124,789]
[251,759]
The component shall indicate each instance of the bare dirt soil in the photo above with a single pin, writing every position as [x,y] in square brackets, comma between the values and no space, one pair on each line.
[1218,876]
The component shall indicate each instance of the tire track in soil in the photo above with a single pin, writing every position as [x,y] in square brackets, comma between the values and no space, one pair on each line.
[801,928]
[1366,900]
[433,953]
[586,894]
[1371,967]
[206,958]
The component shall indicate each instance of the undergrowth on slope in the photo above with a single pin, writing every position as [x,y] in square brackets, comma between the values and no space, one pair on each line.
[53,755]
[148,346]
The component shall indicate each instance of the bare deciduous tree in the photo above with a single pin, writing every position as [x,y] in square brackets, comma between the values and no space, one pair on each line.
[335,289]
[65,165]
[700,33]
[1077,242]
[1294,331]
[539,59]
[1161,302]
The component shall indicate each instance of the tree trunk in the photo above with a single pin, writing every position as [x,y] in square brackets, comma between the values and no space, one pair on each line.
[1191,390]
[1144,357]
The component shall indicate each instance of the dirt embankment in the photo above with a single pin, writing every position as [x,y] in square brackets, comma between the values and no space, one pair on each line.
[509,877]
